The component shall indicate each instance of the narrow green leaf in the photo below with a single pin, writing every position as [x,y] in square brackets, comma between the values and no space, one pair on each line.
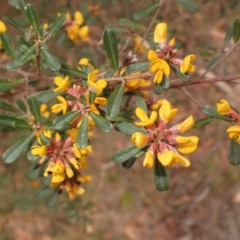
[182,76]
[7,107]
[45,96]
[21,146]
[22,59]
[236,30]
[52,200]
[160,176]
[32,157]
[101,122]
[128,128]
[82,135]
[21,105]
[188,4]
[205,53]
[138,67]
[63,120]
[72,72]
[114,102]
[165,82]
[123,155]
[7,85]
[212,112]
[21,124]
[158,89]
[234,152]
[92,96]
[19,4]
[202,122]
[7,44]
[33,173]
[129,23]
[129,163]
[34,107]
[110,43]
[213,61]
[144,12]
[56,26]
[44,139]
[142,104]
[50,60]
[13,23]
[32,18]
[8,121]
[229,34]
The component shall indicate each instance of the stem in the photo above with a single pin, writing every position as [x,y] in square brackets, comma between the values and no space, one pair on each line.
[192,97]
[143,75]
[221,59]
[150,26]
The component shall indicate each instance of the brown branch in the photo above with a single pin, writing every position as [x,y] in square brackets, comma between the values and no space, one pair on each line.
[192,97]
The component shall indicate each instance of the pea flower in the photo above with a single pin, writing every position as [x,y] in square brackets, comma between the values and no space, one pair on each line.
[162,142]
[165,55]
[224,108]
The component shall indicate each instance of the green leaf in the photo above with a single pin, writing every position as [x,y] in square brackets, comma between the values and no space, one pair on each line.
[21,124]
[188,4]
[182,76]
[158,89]
[32,157]
[19,4]
[45,96]
[13,23]
[32,18]
[7,107]
[101,122]
[125,154]
[128,128]
[82,135]
[6,85]
[21,146]
[236,30]
[129,163]
[114,102]
[212,112]
[8,121]
[56,26]
[21,105]
[213,61]
[52,200]
[110,43]
[138,67]
[92,96]
[234,152]
[202,122]
[34,107]
[44,139]
[144,12]
[50,60]
[72,72]
[165,82]
[130,23]
[229,34]
[142,104]
[160,176]
[22,59]
[7,44]
[63,120]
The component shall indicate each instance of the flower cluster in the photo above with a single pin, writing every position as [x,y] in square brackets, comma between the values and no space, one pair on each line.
[164,143]
[75,31]
[224,108]
[165,55]
[64,162]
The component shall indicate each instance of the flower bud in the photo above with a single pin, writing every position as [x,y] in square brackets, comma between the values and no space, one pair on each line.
[139,139]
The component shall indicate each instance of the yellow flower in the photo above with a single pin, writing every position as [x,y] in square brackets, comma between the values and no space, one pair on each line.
[152,55]
[149,159]
[73,32]
[39,150]
[234,132]
[83,33]
[137,40]
[187,145]
[160,33]
[86,62]
[168,158]
[57,108]
[43,110]
[78,18]
[57,170]
[145,120]
[139,139]
[223,107]
[79,152]
[62,84]
[186,66]
[3,27]
[97,86]
[166,111]
[73,190]
[186,124]
[160,67]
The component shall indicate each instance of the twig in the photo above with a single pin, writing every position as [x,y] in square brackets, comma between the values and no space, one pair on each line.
[149,26]
[221,59]
[143,75]
[191,97]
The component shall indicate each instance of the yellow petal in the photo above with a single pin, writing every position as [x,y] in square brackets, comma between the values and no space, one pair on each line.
[189,146]
[185,66]
[139,139]
[69,171]
[148,160]
[62,84]
[78,17]
[152,55]
[223,107]
[172,42]
[141,114]
[3,27]
[83,33]
[165,158]
[186,124]
[160,33]
[166,111]
[233,129]
[182,161]
[84,179]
